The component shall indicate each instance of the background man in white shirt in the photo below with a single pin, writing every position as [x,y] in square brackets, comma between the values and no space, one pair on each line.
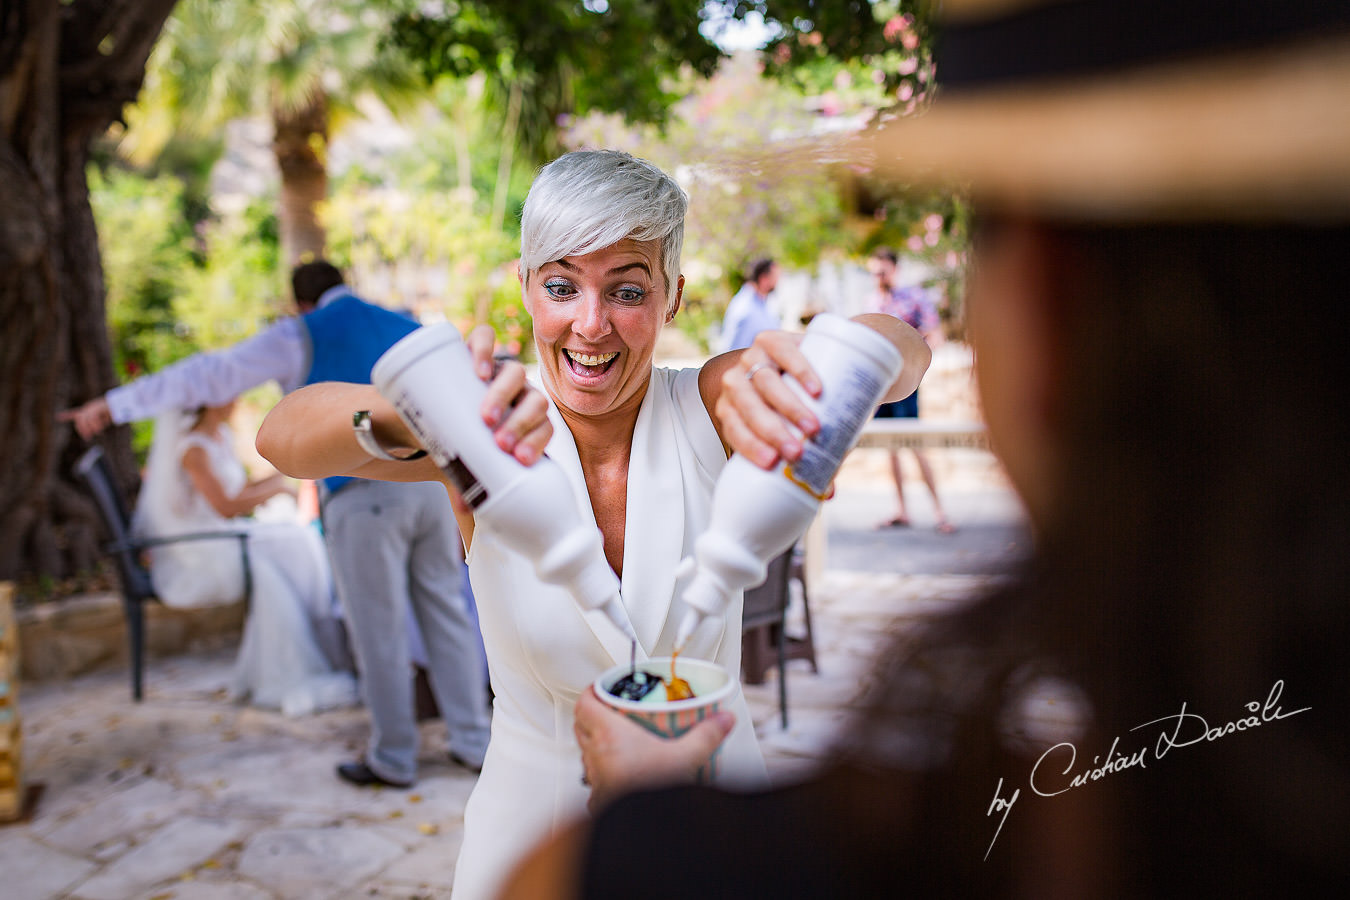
[748,312]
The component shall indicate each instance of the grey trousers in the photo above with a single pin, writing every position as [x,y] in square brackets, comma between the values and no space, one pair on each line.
[395,549]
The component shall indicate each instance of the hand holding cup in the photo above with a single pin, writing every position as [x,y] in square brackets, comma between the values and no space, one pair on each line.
[626,744]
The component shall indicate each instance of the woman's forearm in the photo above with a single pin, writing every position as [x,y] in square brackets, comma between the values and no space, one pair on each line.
[253,495]
[204,480]
[309,435]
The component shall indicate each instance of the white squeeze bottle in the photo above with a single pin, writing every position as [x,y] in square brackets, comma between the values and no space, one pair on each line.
[757,514]
[428,376]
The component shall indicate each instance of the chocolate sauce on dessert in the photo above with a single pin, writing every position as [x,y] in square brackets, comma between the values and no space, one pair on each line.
[636,685]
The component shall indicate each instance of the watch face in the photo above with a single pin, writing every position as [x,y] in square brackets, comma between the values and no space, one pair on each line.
[362,428]
[365,436]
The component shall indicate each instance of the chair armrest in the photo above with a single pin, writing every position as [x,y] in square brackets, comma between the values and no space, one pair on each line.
[145,542]
[137,544]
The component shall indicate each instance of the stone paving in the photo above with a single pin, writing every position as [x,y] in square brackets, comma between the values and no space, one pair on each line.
[186,796]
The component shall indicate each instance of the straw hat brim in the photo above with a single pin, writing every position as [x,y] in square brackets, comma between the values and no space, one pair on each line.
[1257,135]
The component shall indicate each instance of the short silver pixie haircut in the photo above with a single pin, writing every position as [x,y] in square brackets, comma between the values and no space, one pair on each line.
[591,199]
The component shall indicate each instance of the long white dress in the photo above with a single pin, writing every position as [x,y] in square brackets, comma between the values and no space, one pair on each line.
[543,651]
[290,656]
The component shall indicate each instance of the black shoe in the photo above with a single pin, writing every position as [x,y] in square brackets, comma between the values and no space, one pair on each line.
[360,774]
[461,761]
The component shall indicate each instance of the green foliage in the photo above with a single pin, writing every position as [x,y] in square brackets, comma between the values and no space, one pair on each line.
[431,217]
[887,43]
[221,59]
[147,247]
[508,318]
[569,58]
[168,296]
[874,60]
[239,288]
[433,227]
[175,285]
[834,66]
[417,236]
[457,145]
[737,212]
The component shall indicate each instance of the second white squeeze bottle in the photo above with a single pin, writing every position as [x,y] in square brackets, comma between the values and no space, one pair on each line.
[428,376]
[758,514]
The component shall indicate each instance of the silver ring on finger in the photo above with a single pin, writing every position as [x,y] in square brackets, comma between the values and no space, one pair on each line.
[750,375]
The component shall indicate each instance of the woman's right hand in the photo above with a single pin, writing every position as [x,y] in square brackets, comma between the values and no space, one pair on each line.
[89,419]
[516,412]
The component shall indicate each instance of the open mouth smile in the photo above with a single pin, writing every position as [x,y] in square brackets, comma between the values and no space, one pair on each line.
[589,365]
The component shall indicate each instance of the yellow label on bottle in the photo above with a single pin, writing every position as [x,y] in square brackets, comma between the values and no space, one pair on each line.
[792,477]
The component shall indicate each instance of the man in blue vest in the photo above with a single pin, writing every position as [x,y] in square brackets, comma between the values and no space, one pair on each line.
[394,547]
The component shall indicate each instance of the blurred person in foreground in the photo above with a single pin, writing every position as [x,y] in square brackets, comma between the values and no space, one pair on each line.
[1156,705]
[601,236]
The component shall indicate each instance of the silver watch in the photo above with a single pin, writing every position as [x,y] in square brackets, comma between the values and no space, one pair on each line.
[365,436]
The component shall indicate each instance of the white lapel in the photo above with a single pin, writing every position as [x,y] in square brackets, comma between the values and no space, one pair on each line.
[654,530]
[562,449]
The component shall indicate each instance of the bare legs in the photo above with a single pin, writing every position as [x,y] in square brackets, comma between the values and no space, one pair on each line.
[901,518]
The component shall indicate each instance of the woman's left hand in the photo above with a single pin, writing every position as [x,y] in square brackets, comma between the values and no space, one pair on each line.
[516,412]
[757,410]
[618,755]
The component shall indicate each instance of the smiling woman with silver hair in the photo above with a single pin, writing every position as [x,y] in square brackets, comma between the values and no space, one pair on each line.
[642,445]
[586,201]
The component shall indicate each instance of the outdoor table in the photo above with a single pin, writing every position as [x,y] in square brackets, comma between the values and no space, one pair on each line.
[895,434]
[923,434]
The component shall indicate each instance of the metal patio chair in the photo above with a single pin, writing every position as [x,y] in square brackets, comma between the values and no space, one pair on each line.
[127,549]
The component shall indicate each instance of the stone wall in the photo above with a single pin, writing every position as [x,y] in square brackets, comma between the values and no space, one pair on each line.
[69,637]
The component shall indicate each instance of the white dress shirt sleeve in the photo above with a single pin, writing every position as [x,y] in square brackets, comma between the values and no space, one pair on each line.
[280,354]
[731,322]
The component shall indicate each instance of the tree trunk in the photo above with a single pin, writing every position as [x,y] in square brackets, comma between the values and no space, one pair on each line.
[300,142]
[66,70]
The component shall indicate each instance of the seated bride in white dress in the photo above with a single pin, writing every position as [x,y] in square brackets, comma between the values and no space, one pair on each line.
[292,656]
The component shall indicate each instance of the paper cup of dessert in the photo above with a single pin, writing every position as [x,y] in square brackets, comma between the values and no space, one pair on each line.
[711,684]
